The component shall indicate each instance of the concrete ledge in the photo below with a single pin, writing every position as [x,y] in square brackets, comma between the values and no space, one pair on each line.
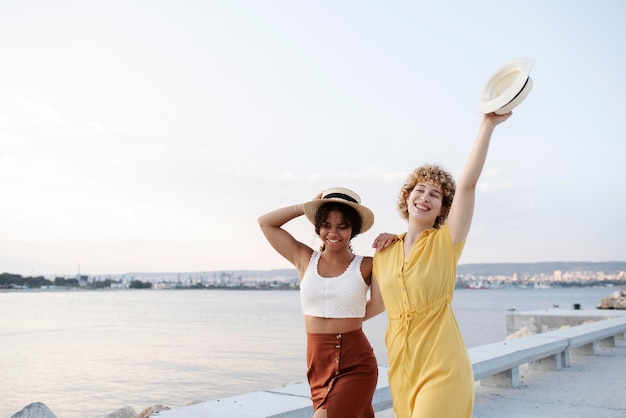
[498,364]
[581,335]
[584,339]
[292,401]
[544,320]
[494,364]
[249,405]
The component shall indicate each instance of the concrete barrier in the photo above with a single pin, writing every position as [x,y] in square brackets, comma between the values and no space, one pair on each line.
[494,364]
[498,364]
[544,320]
[292,401]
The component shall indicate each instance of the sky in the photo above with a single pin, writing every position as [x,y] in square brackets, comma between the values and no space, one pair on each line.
[149,136]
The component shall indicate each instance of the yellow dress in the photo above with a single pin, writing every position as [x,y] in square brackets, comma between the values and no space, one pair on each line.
[430,372]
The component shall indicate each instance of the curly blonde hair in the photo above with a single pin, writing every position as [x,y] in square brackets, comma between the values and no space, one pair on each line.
[429,173]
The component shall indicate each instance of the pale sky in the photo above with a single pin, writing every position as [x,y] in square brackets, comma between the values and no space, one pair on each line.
[148,136]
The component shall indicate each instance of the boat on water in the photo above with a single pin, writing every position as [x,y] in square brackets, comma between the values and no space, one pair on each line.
[541,285]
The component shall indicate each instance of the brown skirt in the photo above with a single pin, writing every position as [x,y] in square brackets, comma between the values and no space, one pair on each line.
[342,373]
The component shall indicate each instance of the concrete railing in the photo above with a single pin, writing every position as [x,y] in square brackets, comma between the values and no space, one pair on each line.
[292,401]
[494,364]
[498,364]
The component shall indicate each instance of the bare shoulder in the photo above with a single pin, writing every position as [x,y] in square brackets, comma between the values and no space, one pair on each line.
[366,268]
[367,260]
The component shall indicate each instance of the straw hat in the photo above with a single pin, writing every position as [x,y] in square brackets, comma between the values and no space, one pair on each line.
[507,88]
[341,195]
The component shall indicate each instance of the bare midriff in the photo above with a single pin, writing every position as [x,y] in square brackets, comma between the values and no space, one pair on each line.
[316,325]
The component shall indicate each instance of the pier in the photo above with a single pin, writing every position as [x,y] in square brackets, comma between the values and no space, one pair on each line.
[573,364]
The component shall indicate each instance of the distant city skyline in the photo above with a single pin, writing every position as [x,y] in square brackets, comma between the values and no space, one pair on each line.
[562,269]
[475,276]
[150,136]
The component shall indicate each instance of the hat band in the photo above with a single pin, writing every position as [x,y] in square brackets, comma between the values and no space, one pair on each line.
[518,93]
[341,196]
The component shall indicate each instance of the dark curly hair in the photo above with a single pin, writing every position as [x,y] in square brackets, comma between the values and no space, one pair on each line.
[429,173]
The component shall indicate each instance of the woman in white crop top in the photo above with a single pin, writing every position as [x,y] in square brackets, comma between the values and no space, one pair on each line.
[342,369]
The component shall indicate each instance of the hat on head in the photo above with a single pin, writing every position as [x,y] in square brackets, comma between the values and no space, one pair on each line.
[344,196]
[507,88]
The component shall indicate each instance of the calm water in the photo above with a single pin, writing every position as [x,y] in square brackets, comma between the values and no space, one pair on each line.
[87,353]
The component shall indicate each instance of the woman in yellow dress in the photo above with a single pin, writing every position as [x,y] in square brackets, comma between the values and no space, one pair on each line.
[430,372]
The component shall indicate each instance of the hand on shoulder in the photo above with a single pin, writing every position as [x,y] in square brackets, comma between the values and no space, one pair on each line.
[384,240]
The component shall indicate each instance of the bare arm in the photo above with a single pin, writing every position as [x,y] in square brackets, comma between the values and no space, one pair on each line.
[282,241]
[462,210]
[375,305]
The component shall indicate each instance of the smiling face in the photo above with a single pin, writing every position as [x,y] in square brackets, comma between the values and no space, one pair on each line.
[349,214]
[335,231]
[434,176]
[337,224]
[425,202]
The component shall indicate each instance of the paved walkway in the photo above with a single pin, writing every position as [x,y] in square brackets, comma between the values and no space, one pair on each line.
[593,386]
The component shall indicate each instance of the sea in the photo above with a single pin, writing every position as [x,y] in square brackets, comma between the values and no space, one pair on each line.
[87,353]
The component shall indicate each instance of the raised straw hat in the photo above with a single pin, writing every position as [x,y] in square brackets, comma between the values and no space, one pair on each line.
[507,88]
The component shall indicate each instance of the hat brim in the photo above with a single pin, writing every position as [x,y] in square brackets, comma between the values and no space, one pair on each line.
[507,88]
[367,216]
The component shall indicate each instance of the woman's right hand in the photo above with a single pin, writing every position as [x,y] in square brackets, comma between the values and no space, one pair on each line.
[384,240]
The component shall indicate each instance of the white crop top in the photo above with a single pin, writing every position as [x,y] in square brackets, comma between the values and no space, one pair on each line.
[343,296]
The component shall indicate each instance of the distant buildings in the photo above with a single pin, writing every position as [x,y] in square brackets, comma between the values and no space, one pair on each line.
[478,276]
[540,280]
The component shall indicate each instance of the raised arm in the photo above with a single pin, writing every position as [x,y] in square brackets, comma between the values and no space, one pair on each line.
[462,209]
[282,241]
